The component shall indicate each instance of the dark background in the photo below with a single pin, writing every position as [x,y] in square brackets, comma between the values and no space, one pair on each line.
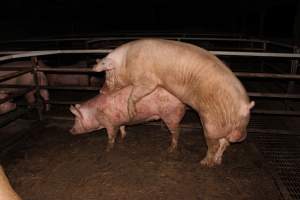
[61,18]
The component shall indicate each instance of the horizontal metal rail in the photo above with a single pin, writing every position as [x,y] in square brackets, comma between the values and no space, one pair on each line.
[276,112]
[281,44]
[160,35]
[267,75]
[14,74]
[53,52]
[76,70]
[14,68]
[87,88]
[274,95]
[96,51]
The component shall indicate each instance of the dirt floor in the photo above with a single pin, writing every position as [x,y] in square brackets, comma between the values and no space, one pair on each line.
[52,164]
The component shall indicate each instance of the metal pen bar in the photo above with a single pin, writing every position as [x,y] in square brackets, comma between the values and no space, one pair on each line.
[15,86]
[14,68]
[93,51]
[225,48]
[274,95]
[255,54]
[87,88]
[160,35]
[52,52]
[276,112]
[267,75]
[14,74]
[280,44]
[77,70]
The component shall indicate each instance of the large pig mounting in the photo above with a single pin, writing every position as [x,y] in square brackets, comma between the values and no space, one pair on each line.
[193,75]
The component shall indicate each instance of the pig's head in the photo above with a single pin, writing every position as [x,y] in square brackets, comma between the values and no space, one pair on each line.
[6,106]
[104,64]
[86,120]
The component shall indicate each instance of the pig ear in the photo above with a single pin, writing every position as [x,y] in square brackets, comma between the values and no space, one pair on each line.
[77,105]
[98,60]
[75,111]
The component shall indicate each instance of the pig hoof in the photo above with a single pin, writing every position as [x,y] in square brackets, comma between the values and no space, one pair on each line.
[172,149]
[109,148]
[209,162]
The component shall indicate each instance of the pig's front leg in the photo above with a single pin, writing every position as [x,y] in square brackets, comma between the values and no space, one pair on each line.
[216,148]
[175,131]
[123,132]
[137,93]
[111,133]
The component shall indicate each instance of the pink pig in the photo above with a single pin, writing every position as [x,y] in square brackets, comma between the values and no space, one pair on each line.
[26,79]
[6,106]
[110,111]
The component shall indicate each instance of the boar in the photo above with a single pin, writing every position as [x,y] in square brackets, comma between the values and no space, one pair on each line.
[6,106]
[6,191]
[26,79]
[110,111]
[192,74]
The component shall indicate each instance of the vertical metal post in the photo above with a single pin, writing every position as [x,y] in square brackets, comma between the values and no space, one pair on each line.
[38,102]
[294,70]
[262,64]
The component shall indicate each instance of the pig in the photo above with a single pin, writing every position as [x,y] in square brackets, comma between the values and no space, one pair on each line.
[26,79]
[66,79]
[6,191]
[6,106]
[56,79]
[192,74]
[110,111]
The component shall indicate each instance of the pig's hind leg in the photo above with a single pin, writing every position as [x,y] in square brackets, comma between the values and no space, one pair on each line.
[137,93]
[111,133]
